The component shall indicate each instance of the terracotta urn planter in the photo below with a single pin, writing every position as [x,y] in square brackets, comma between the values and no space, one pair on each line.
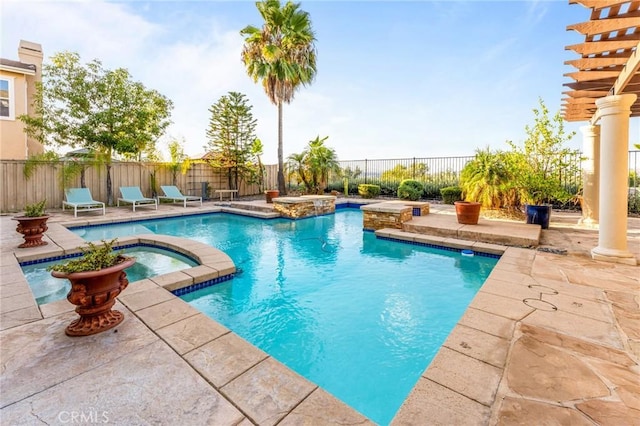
[271,194]
[94,293]
[468,212]
[32,229]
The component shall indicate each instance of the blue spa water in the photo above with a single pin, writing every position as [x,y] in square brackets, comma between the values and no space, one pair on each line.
[361,317]
[150,261]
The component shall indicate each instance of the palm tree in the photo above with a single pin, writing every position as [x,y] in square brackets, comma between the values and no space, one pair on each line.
[321,160]
[297,165]
[487,179]
[282,55]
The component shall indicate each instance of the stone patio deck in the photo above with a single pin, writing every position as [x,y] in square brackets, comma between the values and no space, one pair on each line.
[549,339]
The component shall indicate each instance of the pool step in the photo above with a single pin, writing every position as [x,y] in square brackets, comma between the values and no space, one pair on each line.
[486,231]
[260,213]
[256,206]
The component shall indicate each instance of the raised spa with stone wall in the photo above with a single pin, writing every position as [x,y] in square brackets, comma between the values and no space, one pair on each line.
[305,206]
[391,214]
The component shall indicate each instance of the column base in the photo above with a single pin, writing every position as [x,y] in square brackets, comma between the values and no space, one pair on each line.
[614,256]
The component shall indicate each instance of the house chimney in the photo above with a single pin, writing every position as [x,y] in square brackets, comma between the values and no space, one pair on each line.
[31,53]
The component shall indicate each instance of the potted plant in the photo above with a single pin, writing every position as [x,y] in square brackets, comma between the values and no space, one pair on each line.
[33,224]
[539,165]
[271,194]
[467,212]
[97,278]
[539,183]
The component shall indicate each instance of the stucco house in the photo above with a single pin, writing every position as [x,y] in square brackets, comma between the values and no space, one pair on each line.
[17,90]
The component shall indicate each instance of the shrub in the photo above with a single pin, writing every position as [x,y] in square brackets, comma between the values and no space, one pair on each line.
[368,190]
[451,194]
[410,189]
[633,202]
[388,189]
[488,179]
[35,210]
[94,258]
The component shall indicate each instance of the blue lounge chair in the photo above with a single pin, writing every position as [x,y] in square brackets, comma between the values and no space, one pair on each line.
[133,195]
[80,198]
[172,193]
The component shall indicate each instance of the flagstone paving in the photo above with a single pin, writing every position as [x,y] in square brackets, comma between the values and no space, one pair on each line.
[549,339]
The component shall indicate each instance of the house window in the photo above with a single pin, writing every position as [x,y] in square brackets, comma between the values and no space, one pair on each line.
[7,109]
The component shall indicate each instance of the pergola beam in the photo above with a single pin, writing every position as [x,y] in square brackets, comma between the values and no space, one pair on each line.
[629,71]
[609,62]
[601,62]
[581,76]
[592,85]
[598,4]
[579,101]
[595,47]
[586,93]
[591,28]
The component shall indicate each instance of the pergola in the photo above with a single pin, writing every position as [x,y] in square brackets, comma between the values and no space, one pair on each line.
[606,93]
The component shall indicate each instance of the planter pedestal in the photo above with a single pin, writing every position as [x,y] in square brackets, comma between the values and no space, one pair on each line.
[467,212]
[94,293]
[32,229]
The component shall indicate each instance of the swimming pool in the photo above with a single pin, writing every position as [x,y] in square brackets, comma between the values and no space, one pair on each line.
[362,317]
[150,261]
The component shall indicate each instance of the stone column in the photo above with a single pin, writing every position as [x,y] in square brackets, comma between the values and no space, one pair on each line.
[590,175]
[614,112]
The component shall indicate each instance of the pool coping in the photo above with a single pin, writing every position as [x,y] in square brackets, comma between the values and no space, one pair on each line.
[443,384]
[159,296]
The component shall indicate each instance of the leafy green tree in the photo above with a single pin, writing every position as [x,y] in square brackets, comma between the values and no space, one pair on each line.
[543,159]
[178,160]
[282,56]
[232,137]
[85,105]
[401,172]
[256,174]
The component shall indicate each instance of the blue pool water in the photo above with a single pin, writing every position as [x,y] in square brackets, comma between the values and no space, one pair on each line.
[150,261]
[361,317]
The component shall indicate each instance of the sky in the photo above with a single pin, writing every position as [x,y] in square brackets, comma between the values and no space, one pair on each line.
[395,79]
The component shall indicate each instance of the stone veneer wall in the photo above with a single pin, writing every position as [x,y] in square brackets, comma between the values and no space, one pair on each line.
[378,219]
[422,205]
[302,207]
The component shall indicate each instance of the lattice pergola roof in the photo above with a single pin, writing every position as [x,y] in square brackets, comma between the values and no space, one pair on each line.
[609,60]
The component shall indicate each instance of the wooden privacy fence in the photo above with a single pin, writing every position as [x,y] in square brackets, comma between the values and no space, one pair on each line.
[201,179]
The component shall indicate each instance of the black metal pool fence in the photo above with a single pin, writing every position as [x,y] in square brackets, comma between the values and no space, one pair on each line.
[439,172]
